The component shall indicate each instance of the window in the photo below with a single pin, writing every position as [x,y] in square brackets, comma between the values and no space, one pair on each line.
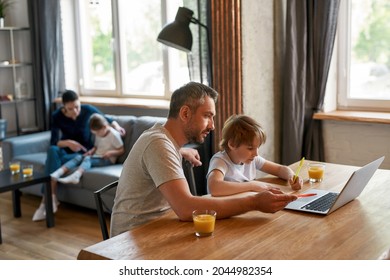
[110,48]
[364,54]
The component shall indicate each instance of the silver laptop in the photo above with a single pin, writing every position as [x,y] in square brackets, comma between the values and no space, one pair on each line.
[325,202]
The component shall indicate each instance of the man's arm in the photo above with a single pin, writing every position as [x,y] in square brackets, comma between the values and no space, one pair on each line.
[118,128]
[178,195]
[71,144]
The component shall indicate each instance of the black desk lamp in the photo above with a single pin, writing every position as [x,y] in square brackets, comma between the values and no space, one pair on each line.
[178,35]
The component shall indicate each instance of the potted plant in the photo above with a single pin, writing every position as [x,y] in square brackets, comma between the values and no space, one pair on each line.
[4,4]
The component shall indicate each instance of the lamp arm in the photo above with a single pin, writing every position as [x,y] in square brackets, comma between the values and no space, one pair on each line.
[197,21]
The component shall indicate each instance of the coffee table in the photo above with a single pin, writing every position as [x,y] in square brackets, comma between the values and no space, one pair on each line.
[14,183]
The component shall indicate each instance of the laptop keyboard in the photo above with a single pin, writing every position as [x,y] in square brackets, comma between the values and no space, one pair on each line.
[321,204]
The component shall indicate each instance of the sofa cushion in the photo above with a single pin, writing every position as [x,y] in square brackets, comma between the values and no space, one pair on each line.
[97,177]
[134,127]
[143,123]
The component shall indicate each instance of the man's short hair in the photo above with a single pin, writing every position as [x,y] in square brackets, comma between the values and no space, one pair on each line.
[191,94]
[69,96]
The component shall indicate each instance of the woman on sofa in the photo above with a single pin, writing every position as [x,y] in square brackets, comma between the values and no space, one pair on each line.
[107,148]
[70,137]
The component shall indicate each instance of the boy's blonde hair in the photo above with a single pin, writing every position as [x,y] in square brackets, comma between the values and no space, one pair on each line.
[241,129]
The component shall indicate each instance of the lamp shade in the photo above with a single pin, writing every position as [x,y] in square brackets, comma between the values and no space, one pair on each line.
[178,34]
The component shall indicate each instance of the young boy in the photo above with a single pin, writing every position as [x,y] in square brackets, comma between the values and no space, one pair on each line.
[108,146]
[233,169]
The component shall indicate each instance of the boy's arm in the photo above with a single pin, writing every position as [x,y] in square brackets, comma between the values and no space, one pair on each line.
[219,187]
[115,152]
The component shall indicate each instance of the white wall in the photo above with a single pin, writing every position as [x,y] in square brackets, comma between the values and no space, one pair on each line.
[356,143]
[259,93]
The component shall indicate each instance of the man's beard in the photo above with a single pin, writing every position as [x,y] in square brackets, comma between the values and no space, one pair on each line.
[195,137]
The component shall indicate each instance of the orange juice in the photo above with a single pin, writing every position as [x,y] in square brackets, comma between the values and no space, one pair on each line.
[15,168]
[27,172]
[316,172]
[204,223]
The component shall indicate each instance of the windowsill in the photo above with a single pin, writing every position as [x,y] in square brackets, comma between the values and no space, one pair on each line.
[354,116]
[123,102]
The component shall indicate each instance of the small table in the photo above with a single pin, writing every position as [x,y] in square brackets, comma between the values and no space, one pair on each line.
[14,183]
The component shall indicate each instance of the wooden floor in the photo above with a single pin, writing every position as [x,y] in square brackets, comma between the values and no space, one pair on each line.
[23,239]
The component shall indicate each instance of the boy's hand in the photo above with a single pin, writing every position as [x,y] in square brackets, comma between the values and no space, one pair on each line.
[296,184]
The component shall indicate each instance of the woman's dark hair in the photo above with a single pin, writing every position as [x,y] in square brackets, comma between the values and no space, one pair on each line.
[69,96]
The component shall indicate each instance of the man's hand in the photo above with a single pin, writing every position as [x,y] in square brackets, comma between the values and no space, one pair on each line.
[192,155]
[272,200]
[75,146]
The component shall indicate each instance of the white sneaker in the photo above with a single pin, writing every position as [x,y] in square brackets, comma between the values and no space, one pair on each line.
[40,213]
[73,178]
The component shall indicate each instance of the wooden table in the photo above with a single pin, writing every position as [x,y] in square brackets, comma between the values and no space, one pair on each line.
[357,231]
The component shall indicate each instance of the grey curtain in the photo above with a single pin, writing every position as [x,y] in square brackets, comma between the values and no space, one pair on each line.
[46,40]
[310,33]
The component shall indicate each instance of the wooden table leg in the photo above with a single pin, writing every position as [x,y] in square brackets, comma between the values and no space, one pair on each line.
[49,206]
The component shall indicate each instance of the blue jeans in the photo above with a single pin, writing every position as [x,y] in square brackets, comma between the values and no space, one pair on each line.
[56,157]
[86,162]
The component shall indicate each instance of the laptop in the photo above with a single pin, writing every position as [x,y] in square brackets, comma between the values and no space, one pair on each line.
[326,202]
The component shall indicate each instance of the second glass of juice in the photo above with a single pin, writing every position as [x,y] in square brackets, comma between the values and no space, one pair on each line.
[316,172]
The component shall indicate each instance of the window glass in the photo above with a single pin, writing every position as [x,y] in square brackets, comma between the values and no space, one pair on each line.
[370,49]
[96,42]
[112,49]
[142,54]
[363,56]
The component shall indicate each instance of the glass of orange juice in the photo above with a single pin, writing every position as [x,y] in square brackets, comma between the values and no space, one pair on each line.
[204,222]
[316,172]
[27,170]
[14,167]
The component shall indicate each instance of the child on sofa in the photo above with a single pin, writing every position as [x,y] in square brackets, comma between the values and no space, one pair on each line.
[108,146]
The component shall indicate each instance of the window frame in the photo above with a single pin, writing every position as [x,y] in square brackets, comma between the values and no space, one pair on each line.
[74,80]
[343,45]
